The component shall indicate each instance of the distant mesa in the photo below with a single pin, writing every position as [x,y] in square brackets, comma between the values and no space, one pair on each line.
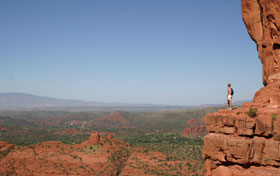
[196,127]
[194,131]
[195,122]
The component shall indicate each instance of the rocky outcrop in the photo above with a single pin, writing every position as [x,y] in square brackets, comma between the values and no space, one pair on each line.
[195,127]
[99,155]
[241,140]
[268,96]
[262,19]
[246,141]
[5,148]
[96,156]
[94,138]
[194,131]
[195,122]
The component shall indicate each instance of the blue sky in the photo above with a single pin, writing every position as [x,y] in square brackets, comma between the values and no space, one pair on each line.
[180,52]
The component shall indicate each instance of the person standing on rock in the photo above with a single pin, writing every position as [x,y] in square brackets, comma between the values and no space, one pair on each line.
[229,96]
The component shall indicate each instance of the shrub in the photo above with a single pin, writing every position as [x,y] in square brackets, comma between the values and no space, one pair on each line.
[274,117]
[252,112]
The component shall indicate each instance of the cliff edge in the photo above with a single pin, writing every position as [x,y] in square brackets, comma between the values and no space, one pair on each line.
[246,141]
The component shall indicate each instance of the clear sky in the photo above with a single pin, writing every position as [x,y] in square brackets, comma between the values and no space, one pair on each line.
[179,52]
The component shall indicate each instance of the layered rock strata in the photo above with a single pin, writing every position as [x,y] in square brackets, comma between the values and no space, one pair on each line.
[246,141]
[239,142]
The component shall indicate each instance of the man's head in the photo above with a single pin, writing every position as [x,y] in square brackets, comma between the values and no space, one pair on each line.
[229,85]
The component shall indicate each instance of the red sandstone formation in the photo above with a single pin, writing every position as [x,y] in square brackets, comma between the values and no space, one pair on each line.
[196,127]
[262,19]
[242,142]
[97,156]
[196,122]
[94,138]
[113,119]
[5,148]
[150,163]
[105,133]
[2,128]
[194,131]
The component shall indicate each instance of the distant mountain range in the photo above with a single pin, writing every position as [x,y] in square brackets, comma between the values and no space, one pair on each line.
[16,101]
[20,101]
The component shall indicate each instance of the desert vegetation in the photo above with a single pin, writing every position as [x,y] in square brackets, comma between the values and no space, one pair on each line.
[146,132]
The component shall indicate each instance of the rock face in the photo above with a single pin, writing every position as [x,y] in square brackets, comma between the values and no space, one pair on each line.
[246,141]
[262,19]
[241,142]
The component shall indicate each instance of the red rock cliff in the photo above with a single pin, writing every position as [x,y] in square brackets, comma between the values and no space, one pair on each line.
[246,141]
[262,19]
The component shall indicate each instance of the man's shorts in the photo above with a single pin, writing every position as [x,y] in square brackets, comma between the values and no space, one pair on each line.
[229,97]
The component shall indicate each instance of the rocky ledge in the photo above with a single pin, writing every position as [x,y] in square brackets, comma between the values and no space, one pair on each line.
[244,141]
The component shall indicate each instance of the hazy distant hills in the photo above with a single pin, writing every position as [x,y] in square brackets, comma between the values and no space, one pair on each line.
[19,101]
[15,101]
[22,101]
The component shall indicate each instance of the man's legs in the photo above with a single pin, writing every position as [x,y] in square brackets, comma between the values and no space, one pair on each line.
[229,101]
